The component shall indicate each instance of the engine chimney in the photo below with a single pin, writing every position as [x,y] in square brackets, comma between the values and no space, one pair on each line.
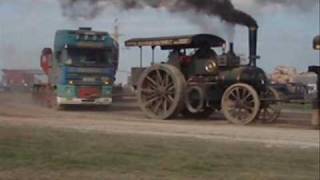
[231,48]
[253,38]
[316,43]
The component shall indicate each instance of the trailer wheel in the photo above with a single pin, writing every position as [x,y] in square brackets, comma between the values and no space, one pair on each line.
[240,104]
[160,91]
[270,110]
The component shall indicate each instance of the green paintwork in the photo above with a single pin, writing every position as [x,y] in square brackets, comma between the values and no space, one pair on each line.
[75,38]
[62,73]
[107,91]
[67,91]
[250,75]
[69,37]
[71,91]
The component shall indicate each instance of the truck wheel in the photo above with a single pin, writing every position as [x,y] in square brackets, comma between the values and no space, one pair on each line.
[160,91]
[270,110]
[240,104]
[52,101]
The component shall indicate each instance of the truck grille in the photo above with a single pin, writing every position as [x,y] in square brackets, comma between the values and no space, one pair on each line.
[89,92]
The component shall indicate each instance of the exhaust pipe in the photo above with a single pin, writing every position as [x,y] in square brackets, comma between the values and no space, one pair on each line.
[253,38]
[231,48]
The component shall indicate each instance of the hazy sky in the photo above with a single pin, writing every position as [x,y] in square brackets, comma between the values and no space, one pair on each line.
[285,34]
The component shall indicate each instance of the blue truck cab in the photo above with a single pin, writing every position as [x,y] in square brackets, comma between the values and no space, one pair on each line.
[84,67]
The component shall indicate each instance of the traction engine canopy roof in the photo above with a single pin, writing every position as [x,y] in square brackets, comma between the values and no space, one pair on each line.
[178,42]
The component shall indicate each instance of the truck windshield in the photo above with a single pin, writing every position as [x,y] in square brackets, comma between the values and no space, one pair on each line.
[89,57]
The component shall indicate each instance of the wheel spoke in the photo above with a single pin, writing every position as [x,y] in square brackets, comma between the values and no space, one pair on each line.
[150,102]
[232,96]
[165,104]
[240,115]
[268,114]
[238,92]
[149,91]
[171,98]
[170,87]
[230,105]
[233,112]
[152,81]
[159,78]
[235,93]
[246,113]
[246,106]
[247,96]
[149,97]
[244,93]
[264,114]
[271,109]
[158,105]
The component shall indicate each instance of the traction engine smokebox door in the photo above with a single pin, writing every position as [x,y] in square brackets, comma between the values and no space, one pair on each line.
[89,93]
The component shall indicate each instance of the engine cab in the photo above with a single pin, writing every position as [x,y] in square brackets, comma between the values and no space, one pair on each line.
[206,62]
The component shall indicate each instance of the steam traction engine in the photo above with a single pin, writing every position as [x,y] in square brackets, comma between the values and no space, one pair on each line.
[81,69]
[197,84]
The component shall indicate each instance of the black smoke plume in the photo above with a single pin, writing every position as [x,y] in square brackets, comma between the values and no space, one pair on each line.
[304,5]
[222,8]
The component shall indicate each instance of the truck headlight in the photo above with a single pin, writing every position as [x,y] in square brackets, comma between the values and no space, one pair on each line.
[106,80]
[211,67]
[71,82]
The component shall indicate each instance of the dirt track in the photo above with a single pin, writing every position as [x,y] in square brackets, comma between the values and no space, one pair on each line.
[293,129]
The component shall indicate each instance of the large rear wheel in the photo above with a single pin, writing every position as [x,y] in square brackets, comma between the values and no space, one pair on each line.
[160,91]
[240,104]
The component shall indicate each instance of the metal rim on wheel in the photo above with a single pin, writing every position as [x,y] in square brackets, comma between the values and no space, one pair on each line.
[271,110]
[160,91]
[240,104]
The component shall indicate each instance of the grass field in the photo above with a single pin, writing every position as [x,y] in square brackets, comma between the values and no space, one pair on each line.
[39,153]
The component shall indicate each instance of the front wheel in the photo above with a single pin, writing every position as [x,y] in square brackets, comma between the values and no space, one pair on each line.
[52,100]
[240,104]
